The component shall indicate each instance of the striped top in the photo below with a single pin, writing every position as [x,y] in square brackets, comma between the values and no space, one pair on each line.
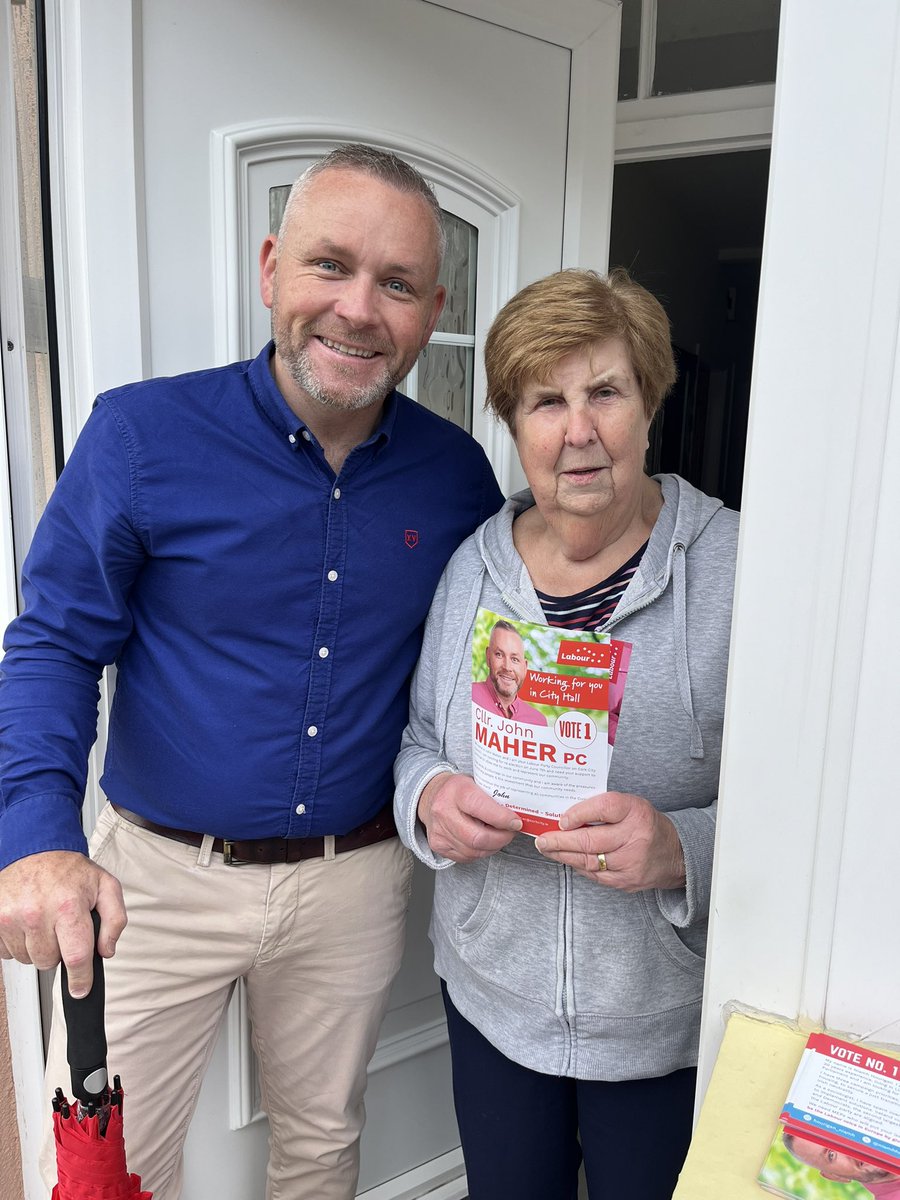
[595,605]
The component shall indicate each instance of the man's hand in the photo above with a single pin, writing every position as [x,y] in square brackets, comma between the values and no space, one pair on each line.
[619,841]
[462,821]
[45,913]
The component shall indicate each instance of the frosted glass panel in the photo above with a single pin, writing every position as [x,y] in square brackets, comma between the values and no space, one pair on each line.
[458,276]
[706,44]
[278,198]
[445,382]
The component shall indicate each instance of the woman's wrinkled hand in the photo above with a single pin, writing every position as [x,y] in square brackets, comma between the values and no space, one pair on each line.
[462,821]
[619,841]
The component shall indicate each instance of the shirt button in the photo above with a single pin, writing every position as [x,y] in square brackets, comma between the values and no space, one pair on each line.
[323,652]
[307,436]
[337,493]
[291,438]
[332,576]
[300,810]
[313,730]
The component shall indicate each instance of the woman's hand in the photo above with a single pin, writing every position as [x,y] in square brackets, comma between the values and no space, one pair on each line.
[462,821]
[635,847]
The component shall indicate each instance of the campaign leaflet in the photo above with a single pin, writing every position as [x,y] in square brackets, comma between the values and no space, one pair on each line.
[842,1115]
[541,722]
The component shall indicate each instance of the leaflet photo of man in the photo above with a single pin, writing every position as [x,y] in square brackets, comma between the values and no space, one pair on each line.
[507,670]
[844,1168]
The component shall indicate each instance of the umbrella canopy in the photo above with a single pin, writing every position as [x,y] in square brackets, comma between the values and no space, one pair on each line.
[90,1151]
[90,1144]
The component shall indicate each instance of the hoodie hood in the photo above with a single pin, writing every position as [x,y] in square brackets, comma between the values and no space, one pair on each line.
[684,515]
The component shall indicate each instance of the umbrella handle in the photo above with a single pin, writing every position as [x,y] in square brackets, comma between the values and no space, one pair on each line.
[86,1040]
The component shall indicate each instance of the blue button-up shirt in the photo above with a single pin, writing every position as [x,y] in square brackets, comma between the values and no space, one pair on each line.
[264,615]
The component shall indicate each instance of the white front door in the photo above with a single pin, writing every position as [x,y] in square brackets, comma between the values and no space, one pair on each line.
[189,115]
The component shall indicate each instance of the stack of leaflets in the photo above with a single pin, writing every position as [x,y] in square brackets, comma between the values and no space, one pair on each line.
[545,709]
[840,1135]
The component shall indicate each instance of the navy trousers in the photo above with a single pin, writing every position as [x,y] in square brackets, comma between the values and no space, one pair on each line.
[524,1133]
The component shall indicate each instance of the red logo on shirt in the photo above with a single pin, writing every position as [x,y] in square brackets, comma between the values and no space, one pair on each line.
[412,538]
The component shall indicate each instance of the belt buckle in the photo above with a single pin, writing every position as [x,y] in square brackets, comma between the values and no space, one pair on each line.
[226,852]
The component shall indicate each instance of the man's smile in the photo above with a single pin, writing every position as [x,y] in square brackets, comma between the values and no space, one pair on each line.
[351,351]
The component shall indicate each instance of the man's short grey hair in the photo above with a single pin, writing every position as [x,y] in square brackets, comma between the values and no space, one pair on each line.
[380,164]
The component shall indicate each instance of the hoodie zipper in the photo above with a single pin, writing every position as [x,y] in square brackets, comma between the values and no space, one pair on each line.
[567,916]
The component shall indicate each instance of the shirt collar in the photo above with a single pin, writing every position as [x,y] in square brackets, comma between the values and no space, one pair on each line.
[513,708]
[286,421]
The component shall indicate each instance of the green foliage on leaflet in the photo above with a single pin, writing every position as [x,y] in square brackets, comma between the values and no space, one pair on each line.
[784,1174]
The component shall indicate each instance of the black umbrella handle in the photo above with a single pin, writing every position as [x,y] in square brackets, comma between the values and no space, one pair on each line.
[86,1042]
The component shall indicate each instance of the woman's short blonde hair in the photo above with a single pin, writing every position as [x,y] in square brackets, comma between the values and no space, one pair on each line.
[565,312]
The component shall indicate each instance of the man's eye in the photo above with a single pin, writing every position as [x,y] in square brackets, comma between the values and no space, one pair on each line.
[397,285]
[326,264]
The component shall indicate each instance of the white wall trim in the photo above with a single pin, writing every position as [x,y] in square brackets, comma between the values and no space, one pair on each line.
[410,1043]
[27,1053]
[442,1178]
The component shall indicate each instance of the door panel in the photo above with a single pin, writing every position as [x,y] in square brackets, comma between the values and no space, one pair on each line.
[486,95]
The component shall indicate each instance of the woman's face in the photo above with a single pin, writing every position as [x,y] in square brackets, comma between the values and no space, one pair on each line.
[582,434]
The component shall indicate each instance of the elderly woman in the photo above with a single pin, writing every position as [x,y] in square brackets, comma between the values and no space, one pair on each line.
[572,965]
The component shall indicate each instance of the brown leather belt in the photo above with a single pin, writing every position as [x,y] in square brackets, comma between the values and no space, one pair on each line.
[276,850]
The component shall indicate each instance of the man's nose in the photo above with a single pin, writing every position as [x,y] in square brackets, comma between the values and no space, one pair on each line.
[356,302]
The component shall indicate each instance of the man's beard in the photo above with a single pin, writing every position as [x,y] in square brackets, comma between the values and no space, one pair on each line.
[351,398]
[506,689]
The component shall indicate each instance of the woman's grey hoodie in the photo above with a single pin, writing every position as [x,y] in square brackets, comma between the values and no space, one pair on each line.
[561,974]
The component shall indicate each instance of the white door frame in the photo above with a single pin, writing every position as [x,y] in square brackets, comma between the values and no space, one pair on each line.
[809,755]
[20,983]
[696,123]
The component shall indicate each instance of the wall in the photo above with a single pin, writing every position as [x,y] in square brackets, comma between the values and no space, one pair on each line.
[10,1162]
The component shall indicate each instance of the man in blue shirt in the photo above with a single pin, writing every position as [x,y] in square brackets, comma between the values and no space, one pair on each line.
[255,547]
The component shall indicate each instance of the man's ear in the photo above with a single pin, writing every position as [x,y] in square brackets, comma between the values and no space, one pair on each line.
[268,257]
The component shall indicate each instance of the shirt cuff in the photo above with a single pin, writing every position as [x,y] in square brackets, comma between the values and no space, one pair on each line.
[51,821]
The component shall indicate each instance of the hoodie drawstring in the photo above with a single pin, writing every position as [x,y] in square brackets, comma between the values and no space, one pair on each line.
[682,672]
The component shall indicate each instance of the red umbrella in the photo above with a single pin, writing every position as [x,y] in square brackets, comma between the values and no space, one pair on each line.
[90,1145]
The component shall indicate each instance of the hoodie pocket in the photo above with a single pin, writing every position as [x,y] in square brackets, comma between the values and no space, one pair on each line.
[511,934]
[667,939]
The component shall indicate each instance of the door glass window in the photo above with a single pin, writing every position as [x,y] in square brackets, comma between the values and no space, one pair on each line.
[442,380]
[701,46]
[443,376]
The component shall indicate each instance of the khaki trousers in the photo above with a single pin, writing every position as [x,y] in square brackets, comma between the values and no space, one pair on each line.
[318,944]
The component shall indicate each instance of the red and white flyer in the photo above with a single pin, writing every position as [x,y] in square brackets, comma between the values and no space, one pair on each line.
[840,1132]
[541,723]
[847,1096]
